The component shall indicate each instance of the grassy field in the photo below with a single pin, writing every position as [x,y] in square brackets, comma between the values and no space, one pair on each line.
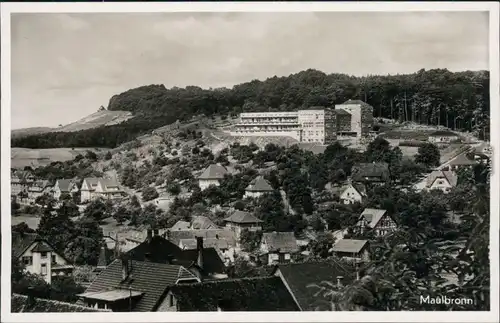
[31,220]
[21,157]
[407,134]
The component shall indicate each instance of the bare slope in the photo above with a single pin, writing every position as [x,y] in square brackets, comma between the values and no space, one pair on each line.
[21,157]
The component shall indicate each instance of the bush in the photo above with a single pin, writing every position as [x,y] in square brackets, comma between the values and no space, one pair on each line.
[149,193]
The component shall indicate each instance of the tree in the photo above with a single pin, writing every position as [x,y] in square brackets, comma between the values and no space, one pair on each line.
[250,240]
[69,208]
[14,205]
[57,228]
[322,245]
[428,154]
[174,188]
[121,214]
[108,156]
[149,193]
[86,242]
[96,210]
[45,200]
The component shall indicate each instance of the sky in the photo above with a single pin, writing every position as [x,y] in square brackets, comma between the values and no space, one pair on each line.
[65,66]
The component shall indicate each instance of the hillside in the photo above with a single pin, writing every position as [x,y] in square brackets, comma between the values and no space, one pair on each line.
[22,157]
[456,100]
[97,119]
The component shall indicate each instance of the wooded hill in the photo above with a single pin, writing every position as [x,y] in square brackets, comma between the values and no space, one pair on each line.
[457,100]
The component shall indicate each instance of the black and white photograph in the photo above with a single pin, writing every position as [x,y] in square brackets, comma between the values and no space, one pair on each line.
[267,159]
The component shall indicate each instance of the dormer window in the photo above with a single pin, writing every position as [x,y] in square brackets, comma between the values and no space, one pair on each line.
[43,254]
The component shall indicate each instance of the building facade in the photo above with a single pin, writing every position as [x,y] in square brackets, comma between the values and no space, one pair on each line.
[361,117]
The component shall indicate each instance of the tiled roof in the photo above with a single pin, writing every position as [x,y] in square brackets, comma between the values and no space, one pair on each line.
[280,241]
[42,246]
[356,102]
[20,304]
[90,182]
[373,216]
[108,184]
[244,294]
[462,160]
[202,223]
[362,171]
[300,276]
[213,171]
[342,112]
[65,184]
[21,242]
[222,234]
[359,187]
[349,245]
[242,217]
[450,176]
[150,278]
[189,244]
[259,184]
[181,225]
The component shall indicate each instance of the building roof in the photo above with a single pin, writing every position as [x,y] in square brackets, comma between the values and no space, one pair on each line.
[241,217]
[21,304]
[161,250]
[359,187]
[180,225]
[263,294]
[359,102]
[462,160]
[112,295]
[150,278]
[22,241]
[342,112]
[367,171]
[202,223]
[220,234]
[105,256]
[443,133]
[349,245]
[108,184]
[188,244]
[373,216]
[449,176]
[65,184]
[280,241]
[42,246]
[259,184]
[213,171]
[91,182]
[300,278]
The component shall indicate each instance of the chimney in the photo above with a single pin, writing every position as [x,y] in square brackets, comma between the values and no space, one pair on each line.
[199,247]
[339,281]
[147,256]
[155,232]
[125,268]
[150,235]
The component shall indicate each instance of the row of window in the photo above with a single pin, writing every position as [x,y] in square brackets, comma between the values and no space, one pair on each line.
[28,260]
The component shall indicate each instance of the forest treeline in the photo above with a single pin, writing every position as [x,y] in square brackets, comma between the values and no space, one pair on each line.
[457,100]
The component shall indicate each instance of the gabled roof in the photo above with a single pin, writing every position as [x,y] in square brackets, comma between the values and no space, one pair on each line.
[263,294]
[259,184]
[108,183]
[359,102]
[22,241]
[242,217]
[202,223]
[462,160]
[362,171]
[150,278]
[65,184]
[40,183]
[449,176]
[91,182]
[280,241]
[221,234]
[213,171]
[373,216]
[181,225]
[342,112]
[20,304]
[359,187]
[42,246]
[189,244]
[299,278]
[349,245]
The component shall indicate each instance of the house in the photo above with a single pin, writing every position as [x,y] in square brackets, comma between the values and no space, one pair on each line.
[441,180]
[204,262]
[20,180]
[482,153]
[263,294]
[128,285]
[377,220]
[240,220]
[32,304]
[37,189]
[181,225]
[39,257]
[370,173]
[302,278]
[443,136]
[202,223]
[462,161]
[100,187]
[277,247]
[352,193]
[258,187]
[212,175]
[62,186]
[353,250]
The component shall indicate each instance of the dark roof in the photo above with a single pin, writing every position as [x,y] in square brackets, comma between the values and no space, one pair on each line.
[368,171]
[242,217]
[349,245]
[42,246]
[65,184]
[222,234]
[22,241]
[280,241]
[245,294]
[342,112]
[213,171]
[150,278]
[161,250]
[259,184]
[20,304]
[443,133]
[202,222]
[300,276]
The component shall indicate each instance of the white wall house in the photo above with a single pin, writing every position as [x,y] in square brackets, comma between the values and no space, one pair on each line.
[93,188]
[258,187]
[441,180]
[239,221]
[353,193]
[39,257]
[443,136]
[212,175]
[64,186]
[378,220]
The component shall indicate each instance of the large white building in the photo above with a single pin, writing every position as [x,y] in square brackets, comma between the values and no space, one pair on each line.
[315,125]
